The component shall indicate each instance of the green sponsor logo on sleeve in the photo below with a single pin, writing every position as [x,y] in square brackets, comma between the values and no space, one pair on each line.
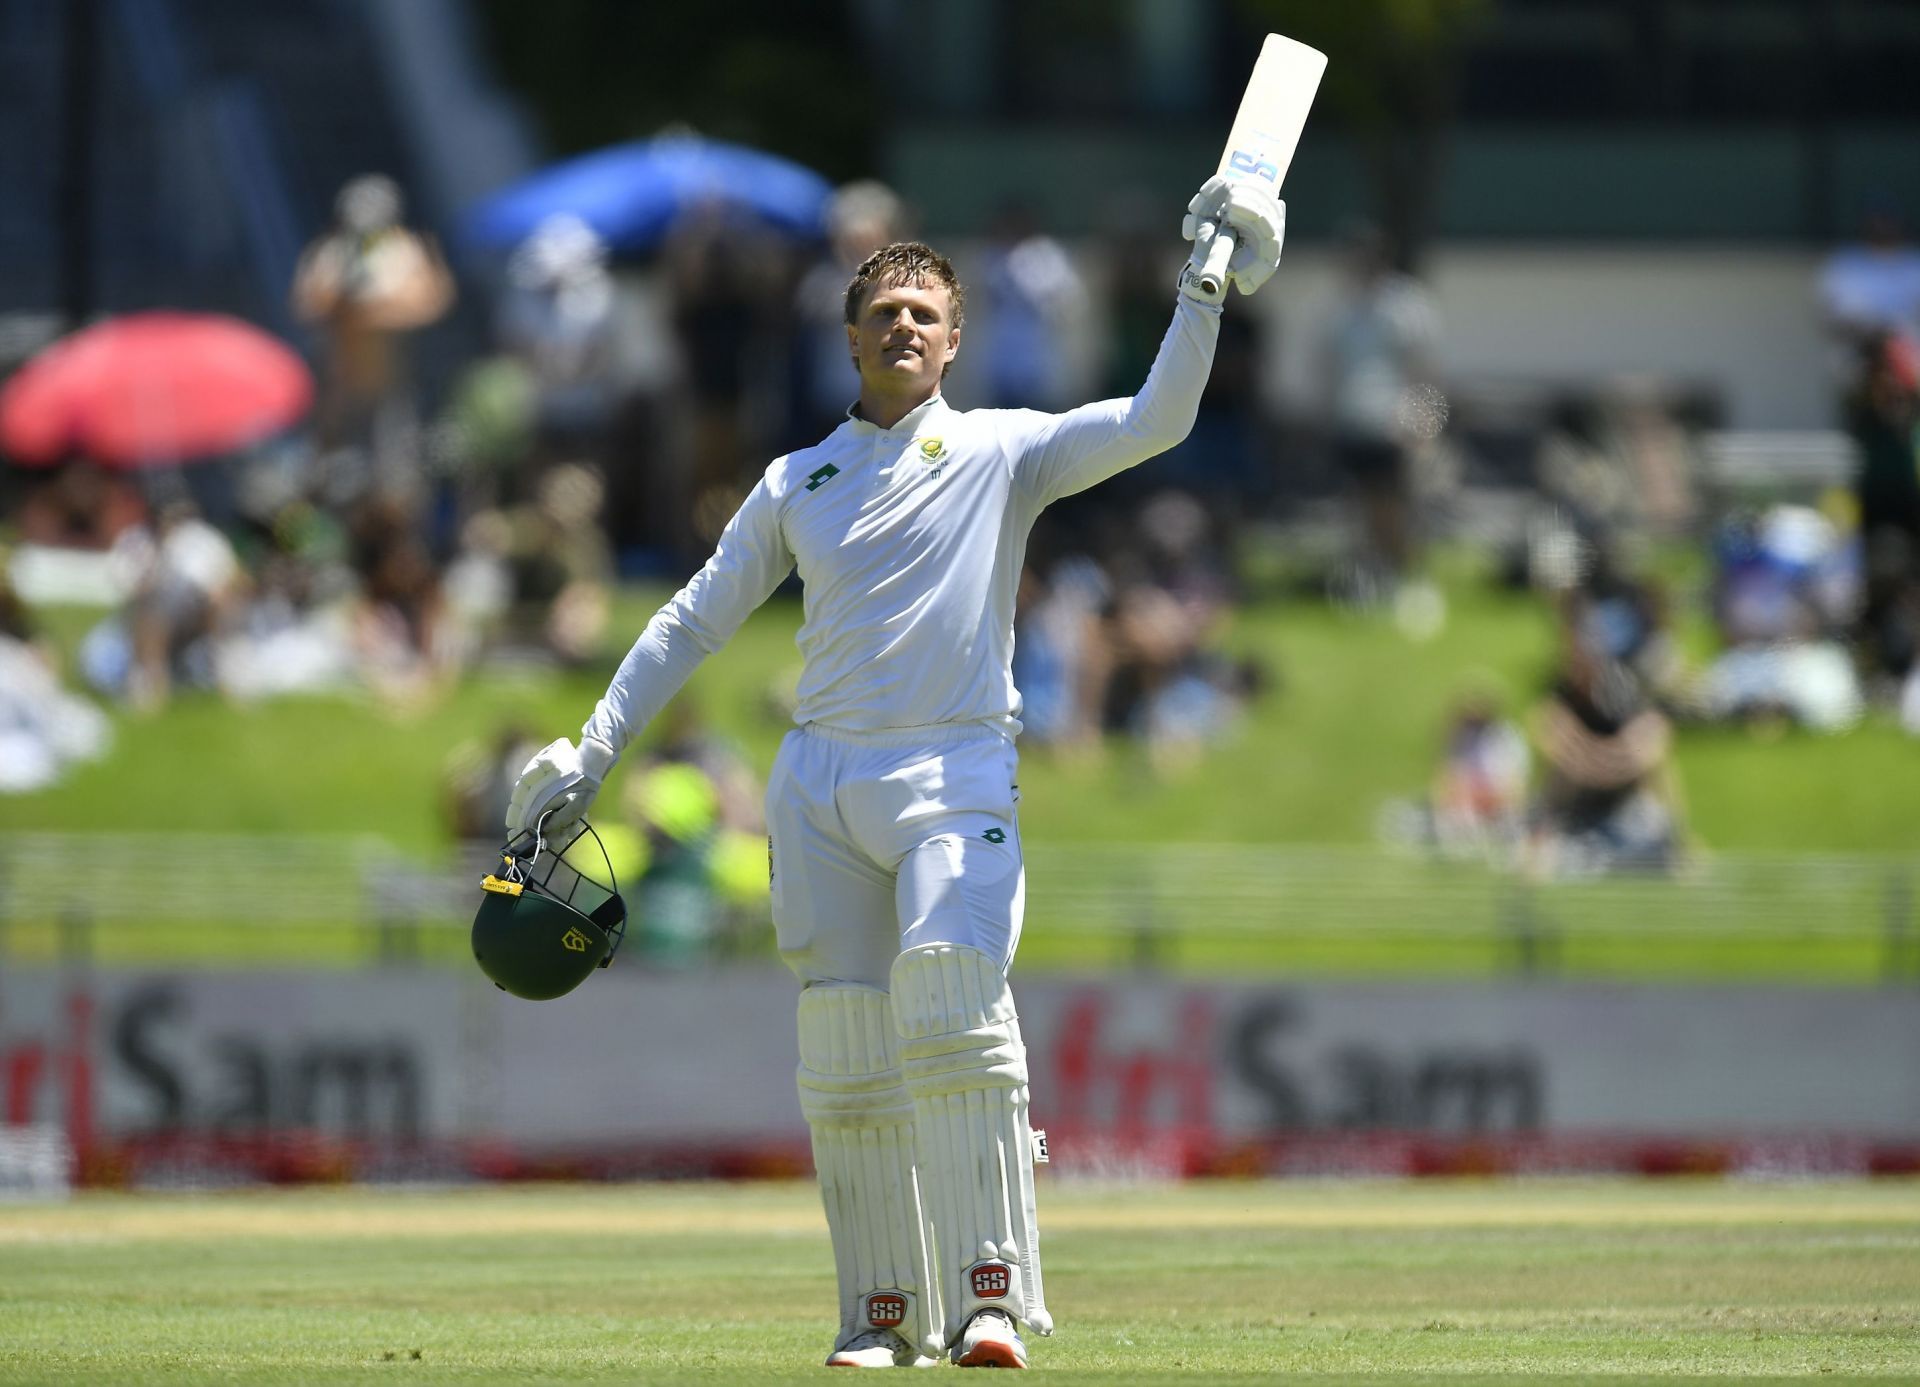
[995,835]
[816,480]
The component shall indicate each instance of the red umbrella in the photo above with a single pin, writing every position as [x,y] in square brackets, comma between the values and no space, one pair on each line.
[153,388]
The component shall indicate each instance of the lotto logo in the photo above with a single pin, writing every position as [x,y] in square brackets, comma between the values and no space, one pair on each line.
[886,1309]
[990,1280]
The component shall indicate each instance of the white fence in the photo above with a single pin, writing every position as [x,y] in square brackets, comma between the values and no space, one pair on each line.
[1142,903]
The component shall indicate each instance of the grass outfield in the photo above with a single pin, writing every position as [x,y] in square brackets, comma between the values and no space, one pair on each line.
[1222,1282]
[1356,718]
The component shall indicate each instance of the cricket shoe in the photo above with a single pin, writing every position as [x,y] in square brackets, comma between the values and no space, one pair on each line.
[990,1341]
[877,1348]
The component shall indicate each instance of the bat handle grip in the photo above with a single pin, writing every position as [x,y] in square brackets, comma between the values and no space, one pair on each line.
[1213,274]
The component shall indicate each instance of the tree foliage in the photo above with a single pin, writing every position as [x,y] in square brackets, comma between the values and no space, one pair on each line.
[782,77]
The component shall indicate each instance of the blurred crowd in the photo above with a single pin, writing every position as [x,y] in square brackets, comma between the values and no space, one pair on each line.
[619,410]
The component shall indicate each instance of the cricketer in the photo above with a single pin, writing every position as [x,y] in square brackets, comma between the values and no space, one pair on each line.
[897,877]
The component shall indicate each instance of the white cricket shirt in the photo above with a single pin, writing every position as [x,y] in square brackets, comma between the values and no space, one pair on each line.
[910,542]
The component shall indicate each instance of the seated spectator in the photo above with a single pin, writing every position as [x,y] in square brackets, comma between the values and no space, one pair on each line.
[1609,801]
[562,565]
[44,730]
[1626,619]
[79,506]
[533,584]
[1166,688]
[1479,793]
[1476,806]
[405,644]
[478,781]
[1783,587]
[716,879]
[187,581]
[293,633]
[677,809]
[1060,656]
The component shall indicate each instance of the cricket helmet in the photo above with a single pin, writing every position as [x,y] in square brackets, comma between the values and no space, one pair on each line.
[543,925]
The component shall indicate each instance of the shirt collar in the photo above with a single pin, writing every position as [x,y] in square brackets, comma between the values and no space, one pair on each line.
[909,423]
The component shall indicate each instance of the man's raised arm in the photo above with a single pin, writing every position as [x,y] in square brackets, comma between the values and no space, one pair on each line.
[1072,451]
[747,565]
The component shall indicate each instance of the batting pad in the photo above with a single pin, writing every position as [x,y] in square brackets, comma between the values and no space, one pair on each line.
[966,1068]
[863,1150]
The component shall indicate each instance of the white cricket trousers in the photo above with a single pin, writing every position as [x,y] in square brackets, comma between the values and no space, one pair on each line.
[880,841]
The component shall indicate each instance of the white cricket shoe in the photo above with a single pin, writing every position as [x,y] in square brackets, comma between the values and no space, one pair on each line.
[990,1341]
[877,1348]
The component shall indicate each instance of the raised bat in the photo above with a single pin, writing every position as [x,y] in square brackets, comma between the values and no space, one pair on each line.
[1266,129]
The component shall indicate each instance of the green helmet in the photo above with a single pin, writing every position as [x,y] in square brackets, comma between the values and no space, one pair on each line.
[542,926]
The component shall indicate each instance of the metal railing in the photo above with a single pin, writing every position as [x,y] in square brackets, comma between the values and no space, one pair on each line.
[1281,906]
[1773,907]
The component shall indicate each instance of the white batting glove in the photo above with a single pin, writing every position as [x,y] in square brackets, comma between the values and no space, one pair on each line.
[1258,223]
[557,785]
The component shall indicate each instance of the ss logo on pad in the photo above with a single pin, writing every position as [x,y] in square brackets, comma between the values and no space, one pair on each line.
[990,1280]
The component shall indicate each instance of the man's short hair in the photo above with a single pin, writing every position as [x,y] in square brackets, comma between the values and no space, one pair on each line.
[905,262]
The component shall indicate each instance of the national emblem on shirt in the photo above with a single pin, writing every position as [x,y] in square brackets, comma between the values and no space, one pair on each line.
[933,452]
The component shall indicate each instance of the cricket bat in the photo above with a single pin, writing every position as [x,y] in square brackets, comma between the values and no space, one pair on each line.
[1266,129]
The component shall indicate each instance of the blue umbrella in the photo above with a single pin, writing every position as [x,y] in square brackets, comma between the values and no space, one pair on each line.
[632,193]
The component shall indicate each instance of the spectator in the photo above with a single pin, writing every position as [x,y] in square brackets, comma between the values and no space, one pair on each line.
[405,644]
[478,781]
[717,882]
[1782,591]
[1476,803]
[685,738]
[1479,794]
[80,506]
[187,583]
[1376,353]
[1609,801]
[1625,619]
[1872,287]
[1032,300]
[1883,416]
[44,730]
[368,281]
[1167,689]
[864,216]
[723,279]
[292,634]
[561,567]
[1061,661]
[558,317]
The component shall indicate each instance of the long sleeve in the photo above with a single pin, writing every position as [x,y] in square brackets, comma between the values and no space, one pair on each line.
[749,563]
[1072,451]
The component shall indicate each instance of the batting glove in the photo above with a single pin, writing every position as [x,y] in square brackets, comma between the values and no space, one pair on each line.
[556,786]
[1258,223]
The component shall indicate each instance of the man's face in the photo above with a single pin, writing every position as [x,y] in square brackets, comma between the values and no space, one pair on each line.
[903,338]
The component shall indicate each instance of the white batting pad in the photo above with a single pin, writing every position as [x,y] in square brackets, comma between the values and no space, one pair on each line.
[863,1150]
[966,1068]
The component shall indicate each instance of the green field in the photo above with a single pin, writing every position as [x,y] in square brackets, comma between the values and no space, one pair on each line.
[1354,717]
[1467,1281]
